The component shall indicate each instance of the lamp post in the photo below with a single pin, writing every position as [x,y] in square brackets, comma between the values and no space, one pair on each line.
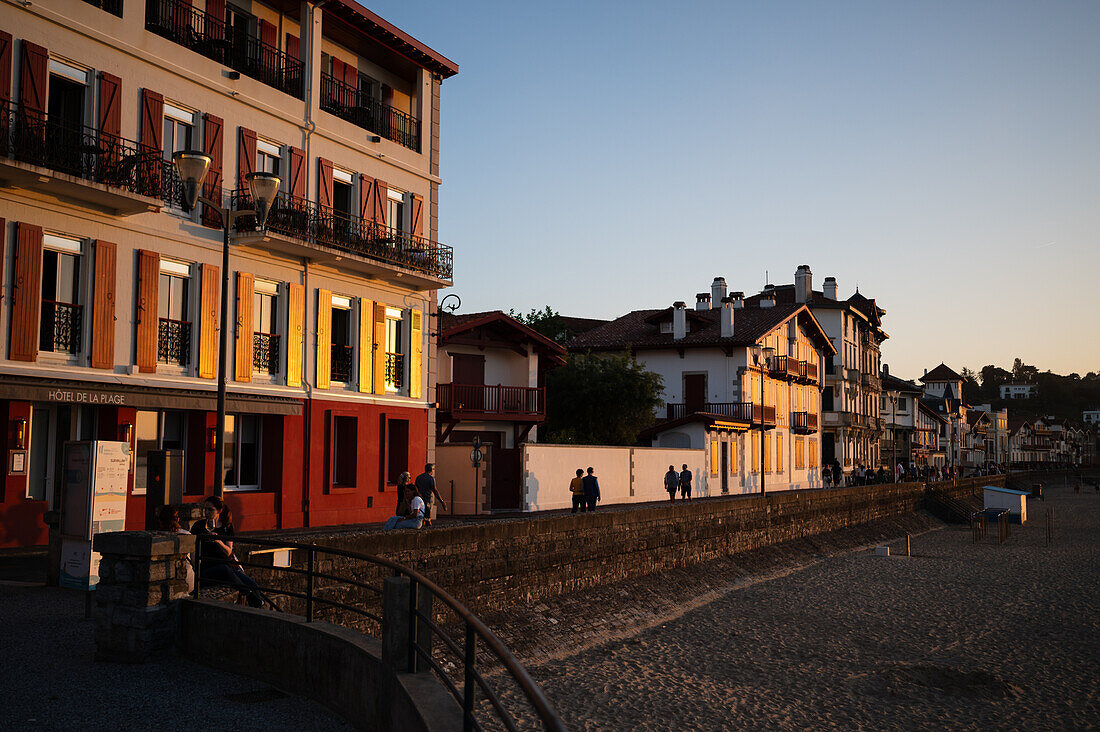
[192,167]
[893,397]
[760,357]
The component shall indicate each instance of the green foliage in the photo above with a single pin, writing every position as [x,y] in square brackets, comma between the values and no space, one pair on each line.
[546,322]
[600,400]
[1058,396]
[971,390]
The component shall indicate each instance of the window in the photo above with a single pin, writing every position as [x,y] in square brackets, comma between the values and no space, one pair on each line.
[395,212]
[778,454]
[66,98]
[369,88]
[342,350]
[179,129]
[156,431]
[265,335]
[242,452]
[343,194]
[799,453]
[754,459]
[39,468]
[396,449]
[268,157]
[344,459]
[174,335]
[714,455]
[395,360]
[903,404]
[62,314]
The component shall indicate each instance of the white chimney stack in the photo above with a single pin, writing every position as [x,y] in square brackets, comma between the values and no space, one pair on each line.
[829,288]
[803,284]
[737,299]
[679,320]
[702,301]
[717,292]
[726,317]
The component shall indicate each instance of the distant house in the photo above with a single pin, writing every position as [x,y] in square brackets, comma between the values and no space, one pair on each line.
[1016,390]
[1091,416]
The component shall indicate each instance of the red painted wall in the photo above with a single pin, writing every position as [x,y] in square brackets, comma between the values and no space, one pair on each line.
[20,519]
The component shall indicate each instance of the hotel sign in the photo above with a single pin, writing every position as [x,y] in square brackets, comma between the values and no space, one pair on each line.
[86,397]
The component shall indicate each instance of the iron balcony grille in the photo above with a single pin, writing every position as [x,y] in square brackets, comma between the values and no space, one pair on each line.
[395,370]
[212,37]
[62,324]
[114,7]
[174,342]
[304,219]
[342,357]
[80,151]
[358,107]
[265,353]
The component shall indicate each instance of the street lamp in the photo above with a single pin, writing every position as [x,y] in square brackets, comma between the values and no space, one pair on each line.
[893,397]
[192,167]
[760,357]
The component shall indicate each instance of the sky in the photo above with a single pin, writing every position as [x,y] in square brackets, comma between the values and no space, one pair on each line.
[943,157]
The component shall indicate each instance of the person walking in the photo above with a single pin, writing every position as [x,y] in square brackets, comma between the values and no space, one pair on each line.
[576,487]
[672,482]
[425,488]
[836,473]
[685,483]
[591,490]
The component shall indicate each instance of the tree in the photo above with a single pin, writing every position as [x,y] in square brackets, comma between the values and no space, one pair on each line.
[1023,372]
[600,400]
[971,393]
[992,377]
[546,322]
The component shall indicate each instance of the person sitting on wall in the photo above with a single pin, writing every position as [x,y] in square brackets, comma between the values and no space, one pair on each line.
[413,519]
[218,564]
[169,519]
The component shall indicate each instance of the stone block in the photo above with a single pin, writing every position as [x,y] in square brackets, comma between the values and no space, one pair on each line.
[142,543]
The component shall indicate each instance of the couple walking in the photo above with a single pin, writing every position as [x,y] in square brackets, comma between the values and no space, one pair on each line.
[681,480]
[585,490]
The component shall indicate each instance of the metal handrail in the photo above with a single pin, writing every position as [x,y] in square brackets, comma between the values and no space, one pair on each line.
[475,628]
[361,109]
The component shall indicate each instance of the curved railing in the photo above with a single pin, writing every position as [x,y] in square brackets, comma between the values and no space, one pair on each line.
[307,590]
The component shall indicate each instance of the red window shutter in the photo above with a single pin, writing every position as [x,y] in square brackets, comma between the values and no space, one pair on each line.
[381,197]
[213,146]
[32,79]
[417,226]
[337,69]
[387,94]
[216,9]
[366,197]
[26,292]
[152,120]
[5,66]
[103,306]
[148,322]
[351,75]
[246,155]
[182,12]
[267,33]
[324,183]
[110,104]
[297,182]
[294,47]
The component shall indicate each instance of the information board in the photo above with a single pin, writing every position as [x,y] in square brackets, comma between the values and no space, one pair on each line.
[93,502]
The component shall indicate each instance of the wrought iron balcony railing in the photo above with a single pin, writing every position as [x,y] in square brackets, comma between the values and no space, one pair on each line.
[341,362]
[803,422]
[80,151]
[211,36]
[303,219]
[359,108]
[265,353]
[114,7]
[507,402]
[62,324]
[395,370]
[174,342]
[741,411]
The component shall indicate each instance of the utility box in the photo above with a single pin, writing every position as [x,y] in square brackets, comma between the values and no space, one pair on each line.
[164,483]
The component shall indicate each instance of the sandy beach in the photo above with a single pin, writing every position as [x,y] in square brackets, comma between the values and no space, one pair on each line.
[961,635]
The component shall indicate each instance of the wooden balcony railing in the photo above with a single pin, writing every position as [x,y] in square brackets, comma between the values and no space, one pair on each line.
[807,372]
[803,422]
[784,367]
[740,411]
[488,402]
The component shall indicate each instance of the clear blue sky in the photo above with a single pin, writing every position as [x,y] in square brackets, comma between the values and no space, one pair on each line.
[600,157]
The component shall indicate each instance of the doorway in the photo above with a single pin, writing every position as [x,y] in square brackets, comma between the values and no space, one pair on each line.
[695,392]
[725,467]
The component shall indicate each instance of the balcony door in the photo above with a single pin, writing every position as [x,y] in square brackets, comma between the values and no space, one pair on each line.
[695,392]
[468,376]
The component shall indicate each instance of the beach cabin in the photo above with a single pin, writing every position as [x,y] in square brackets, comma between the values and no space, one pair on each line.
[1006,498]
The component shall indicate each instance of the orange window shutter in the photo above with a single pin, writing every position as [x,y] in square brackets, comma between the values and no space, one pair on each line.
[366,346]
[208,324]
[379,348]
[243,347]
[324,338]
[103,305]
[296,333]
[148,324]
[416,354]
[26,292]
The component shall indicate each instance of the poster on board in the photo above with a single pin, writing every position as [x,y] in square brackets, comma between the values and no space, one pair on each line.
[93,502]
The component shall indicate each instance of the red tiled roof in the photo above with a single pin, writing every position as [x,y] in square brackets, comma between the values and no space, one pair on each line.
[452,325]
[942,372]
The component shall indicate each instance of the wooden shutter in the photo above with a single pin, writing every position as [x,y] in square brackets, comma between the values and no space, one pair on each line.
[148,322]
[216,8]
[324,183]
[294,64]
[152,120]
[103,305]
[5,66]
[32,79]
[213,145]
[110,104]
[296,332]
[294,47]
[297,181]
[243,348]
[351,76]
[416,354]
[26,284]
[381,198]
[366,345]
[379,348]
[366,197]
[416,216]
[324,338]
[208,320]
[246,156]
[267,33]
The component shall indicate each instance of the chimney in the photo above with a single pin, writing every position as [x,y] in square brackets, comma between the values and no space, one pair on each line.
[679,320]
[737,299]
[717,292]
[830,288]
[885,370]
[767,299]
[702,301]
[726,317]
[803,284]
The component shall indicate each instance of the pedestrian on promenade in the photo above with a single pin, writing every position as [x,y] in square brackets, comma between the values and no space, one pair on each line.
[414,516]
[836,473]
[425,488]
[591,490]
[672,482]
[685,483]
[826,476]
[218,564]
[576,488]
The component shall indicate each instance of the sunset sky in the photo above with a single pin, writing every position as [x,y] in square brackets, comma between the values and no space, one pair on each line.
[944,157]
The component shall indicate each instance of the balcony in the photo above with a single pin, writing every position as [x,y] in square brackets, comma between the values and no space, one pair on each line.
[395,370]
[211,37]
[342,358]
[114,7]
[358,107]
[322,228]
[174,342]
[512,403]
[62,325]
[851,375]
[872,381]
[803,423]
[807,372]
[739,411]
[265,353]
[78,163]
[783,367]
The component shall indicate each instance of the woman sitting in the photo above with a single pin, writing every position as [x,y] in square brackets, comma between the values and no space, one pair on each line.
[218,564]
[407,518]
